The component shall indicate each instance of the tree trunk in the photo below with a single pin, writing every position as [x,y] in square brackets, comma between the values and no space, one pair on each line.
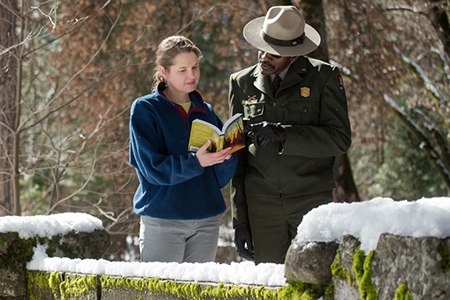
[346,190]
[437,12]
[9,114]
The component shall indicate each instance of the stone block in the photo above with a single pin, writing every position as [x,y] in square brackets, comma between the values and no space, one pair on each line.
[310,262]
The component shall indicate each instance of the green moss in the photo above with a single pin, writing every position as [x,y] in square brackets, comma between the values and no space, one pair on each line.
[195,290]
[76,285]
[337,269]
[54,280]
[14,251]
[79,285]
[329,292]
[303,291]
[402,293]
[42,285]
[36,280]
[362,268]
[445,255]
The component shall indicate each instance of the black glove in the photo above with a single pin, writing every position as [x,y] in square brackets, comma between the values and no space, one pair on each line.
[242,238]
[265,132]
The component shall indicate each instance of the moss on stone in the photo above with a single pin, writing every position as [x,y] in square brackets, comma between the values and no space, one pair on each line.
[362,268]
[402,293]
[295,290]
[304,291]
[54,281]
[336,267]
[36,281]
[78,285]
[15,251]
[445,256]
[42,285]
[329,291]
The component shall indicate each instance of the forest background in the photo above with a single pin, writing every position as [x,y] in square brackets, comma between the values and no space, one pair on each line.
[69,71]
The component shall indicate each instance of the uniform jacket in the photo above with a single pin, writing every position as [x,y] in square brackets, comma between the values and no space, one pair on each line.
[312,107]
[173,184]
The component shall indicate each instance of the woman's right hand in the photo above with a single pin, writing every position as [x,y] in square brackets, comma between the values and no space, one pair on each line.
[207,158]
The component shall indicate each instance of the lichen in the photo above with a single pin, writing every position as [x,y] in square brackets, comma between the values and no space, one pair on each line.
[402,293]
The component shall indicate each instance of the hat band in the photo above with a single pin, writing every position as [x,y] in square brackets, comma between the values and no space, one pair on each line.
[278,42]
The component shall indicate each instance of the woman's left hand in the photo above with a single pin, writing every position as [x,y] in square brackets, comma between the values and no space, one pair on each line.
[207,158]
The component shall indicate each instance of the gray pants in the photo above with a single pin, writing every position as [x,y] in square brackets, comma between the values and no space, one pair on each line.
[178,240]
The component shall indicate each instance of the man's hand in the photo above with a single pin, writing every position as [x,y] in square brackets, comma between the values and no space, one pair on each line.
[243,238]
[264,132]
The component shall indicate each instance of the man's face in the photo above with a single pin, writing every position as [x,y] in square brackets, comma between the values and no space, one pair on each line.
[272,64]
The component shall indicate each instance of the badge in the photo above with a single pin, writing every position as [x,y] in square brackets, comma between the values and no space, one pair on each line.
[305,92]
[251,99]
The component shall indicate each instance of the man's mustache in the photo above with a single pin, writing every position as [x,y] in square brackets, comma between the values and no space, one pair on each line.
[266,63]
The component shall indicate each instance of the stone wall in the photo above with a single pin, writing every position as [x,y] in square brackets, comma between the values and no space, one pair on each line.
[399,268]
[16,252]
[95,287]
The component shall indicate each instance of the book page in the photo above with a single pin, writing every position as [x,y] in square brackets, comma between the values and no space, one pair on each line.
[234,134]
[231,120]
[233,137]
[202,131]
[217,129]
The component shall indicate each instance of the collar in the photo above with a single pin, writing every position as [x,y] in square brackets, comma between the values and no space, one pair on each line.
[197,102]
[282,74]
[292,75]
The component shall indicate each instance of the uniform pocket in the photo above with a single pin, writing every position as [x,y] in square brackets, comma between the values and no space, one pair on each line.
[303,112]
[253,110]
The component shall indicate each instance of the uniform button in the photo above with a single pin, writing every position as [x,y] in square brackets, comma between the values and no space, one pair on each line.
[305,109]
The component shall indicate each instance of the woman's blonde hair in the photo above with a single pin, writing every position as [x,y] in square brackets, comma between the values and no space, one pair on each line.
[168,49]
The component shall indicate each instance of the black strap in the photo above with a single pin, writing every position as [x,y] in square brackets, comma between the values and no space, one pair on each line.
[278,42]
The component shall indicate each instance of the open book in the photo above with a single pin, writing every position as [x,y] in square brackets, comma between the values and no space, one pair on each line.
[231,135]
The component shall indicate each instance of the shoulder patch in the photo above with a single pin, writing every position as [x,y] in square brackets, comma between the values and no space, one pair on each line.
[340,82]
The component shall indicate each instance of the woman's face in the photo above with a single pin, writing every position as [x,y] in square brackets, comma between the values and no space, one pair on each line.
[183,76]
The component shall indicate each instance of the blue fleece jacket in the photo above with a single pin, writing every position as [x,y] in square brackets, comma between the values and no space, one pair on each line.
[173,184]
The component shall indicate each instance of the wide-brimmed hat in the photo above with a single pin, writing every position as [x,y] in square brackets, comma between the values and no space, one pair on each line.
[283,32]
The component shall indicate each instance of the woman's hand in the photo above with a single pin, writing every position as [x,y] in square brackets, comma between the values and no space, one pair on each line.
[207,159]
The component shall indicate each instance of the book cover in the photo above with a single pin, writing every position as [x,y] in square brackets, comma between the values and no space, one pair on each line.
[231,135]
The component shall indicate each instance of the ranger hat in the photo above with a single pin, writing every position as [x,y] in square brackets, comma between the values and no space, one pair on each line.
[282,32]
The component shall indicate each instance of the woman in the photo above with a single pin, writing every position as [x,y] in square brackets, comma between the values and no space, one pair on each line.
[179,197]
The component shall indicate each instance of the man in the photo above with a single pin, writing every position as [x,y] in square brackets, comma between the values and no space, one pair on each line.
[294,133]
